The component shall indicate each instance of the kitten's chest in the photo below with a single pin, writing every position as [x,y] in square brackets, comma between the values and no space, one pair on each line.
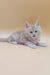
[35,41]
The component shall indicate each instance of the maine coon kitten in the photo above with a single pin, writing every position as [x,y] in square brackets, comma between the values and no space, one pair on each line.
[29,37]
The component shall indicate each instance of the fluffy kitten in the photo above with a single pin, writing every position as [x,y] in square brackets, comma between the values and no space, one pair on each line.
[29,37]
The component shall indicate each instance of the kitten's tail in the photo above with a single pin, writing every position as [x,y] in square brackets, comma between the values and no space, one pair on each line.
[3,39]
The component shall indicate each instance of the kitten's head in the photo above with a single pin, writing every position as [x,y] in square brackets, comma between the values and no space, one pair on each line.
[33,31]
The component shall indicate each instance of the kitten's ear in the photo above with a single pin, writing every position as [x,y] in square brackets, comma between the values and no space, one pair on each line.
[27,24]
[37,22]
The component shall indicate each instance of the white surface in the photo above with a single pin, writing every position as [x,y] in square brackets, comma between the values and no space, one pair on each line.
[22,60]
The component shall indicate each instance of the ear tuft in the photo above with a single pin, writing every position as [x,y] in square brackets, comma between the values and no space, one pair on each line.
[37,22]
[27,24]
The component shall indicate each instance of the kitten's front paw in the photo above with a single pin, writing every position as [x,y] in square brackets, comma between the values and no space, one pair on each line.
[44,45]
[33,46]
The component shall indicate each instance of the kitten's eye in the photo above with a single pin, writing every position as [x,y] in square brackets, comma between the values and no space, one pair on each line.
[35,31]
[31,32]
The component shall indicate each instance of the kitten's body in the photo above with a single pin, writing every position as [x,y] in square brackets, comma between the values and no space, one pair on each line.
[21,37]
[27,37]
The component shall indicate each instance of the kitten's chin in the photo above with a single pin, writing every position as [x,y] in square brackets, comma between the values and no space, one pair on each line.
[33,37]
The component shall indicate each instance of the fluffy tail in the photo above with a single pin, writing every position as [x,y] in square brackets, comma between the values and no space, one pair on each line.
[3,39]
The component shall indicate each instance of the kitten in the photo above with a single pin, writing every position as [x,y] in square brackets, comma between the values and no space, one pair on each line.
[29,37]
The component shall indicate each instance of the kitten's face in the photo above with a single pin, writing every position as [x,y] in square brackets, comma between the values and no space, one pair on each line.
[33,31]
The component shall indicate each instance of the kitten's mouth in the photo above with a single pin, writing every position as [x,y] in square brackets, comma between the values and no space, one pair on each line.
[34,35]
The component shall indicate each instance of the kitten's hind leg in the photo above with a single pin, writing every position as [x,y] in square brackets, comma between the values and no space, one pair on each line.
[13,42]
[42,44]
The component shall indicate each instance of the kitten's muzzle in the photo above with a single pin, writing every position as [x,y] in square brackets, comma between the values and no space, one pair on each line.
[34,35]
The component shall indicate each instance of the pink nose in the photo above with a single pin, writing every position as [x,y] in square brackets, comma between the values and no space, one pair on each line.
[34,36]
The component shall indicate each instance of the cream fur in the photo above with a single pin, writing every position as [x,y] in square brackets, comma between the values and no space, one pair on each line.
[26,37]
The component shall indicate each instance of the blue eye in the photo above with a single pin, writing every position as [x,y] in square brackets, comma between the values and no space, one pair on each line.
[35,31]
[31,32]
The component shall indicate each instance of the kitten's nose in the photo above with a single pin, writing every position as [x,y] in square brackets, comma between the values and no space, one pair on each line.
[34,35]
